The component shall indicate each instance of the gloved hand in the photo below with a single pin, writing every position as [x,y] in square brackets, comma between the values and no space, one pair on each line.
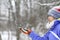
[25,31]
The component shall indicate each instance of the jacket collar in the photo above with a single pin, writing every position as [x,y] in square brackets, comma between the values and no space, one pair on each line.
[55,24]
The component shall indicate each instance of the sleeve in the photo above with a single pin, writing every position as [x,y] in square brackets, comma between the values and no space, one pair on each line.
[58,30]
[35,36]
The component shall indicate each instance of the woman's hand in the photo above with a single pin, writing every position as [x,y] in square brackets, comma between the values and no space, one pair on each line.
[25,31]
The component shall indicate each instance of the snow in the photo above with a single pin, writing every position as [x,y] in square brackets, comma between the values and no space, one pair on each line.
[7,35]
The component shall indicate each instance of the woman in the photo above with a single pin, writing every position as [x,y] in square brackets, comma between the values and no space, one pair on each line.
[54,32]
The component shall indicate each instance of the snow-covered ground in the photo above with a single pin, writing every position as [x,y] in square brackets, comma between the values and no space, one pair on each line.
[7,35]
[11,35]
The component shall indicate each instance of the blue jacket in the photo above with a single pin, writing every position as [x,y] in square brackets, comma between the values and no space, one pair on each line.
[48,36]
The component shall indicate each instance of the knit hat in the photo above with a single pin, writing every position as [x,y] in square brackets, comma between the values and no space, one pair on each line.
[55,12]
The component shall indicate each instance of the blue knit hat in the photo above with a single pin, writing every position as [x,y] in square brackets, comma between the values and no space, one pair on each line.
[55,12]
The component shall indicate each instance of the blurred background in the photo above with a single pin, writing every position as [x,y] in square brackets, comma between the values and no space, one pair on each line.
[24,13]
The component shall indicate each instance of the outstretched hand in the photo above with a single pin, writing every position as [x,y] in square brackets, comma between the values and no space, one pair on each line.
[25,31]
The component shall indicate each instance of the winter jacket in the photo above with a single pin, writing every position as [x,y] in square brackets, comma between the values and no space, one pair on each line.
[48,36]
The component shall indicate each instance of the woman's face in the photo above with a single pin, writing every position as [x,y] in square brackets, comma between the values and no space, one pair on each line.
[50,18]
